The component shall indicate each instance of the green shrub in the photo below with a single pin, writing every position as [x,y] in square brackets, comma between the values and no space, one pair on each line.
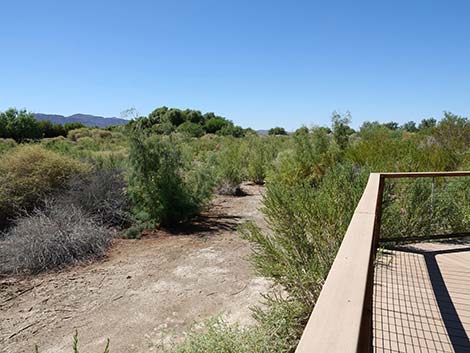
[76,134]
[277,131]
[425,207]
[19,125]
[277,330]
[261,153]
[159,184]
[230,166]
[215,124]
[101,134]
[191,129]
[307,226]
[27,174]
[6,144]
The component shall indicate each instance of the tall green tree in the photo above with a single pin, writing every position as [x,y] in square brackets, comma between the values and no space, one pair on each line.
[341,129]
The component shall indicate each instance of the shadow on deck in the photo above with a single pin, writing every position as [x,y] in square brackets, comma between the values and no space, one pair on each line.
[422,298]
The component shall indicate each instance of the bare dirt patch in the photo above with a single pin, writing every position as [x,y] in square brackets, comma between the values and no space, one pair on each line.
[145,293]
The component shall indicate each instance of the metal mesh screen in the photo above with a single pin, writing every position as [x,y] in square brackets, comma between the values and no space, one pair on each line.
[421,298]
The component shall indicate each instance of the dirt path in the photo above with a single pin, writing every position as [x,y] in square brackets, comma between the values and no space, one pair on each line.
[143,293]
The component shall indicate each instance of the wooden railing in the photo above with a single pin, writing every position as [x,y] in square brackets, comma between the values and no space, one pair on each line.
[341,321]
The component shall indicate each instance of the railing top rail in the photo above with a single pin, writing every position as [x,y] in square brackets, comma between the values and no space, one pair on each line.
[425,174]
[335,323]
[341,319]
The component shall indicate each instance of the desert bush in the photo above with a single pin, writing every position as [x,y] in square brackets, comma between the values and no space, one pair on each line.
[101,134]
[230,166]
[277,330]
[261,153]
[424,207]
[307,226]
[218,336]
[158,181]
[101,194]
[6,144]
[76,134]
[27,174]
[306,160]
[51,238]
[191,129]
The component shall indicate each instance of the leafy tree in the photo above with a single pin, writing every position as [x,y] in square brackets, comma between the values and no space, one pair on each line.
[277,131]
[48,129]
[341,129]
[410,126]
[191,129]
[232,130]
[427,123]
[392,125]
[19,125]
[73,126]
[194,116]
[250,132]
[301,130]
[156,117]
[215,124]
[173,116]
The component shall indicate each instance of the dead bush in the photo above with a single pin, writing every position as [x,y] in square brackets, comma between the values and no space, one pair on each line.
[102,195]
[51,238]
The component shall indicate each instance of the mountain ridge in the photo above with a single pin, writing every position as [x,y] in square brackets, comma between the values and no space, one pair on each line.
[85,119]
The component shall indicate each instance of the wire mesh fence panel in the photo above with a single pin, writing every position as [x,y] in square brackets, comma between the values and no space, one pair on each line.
[425,207]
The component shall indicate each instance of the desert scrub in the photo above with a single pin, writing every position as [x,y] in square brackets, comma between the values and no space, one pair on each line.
[425,206]
[51,238]
[28,173]
[307,224]
[276,331]
[6,144]
[76,134]
[261,153]
[230,164]
[160,186]
[102,195]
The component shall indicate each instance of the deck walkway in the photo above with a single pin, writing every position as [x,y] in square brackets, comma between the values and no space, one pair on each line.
[422,299]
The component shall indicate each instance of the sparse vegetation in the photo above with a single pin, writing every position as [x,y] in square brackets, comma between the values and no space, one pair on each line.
[75,345]
[162,170]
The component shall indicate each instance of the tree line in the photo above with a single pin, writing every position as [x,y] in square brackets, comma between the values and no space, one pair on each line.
[21,125]
[164,121]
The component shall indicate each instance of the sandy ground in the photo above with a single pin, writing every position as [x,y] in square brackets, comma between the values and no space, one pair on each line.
[145,294]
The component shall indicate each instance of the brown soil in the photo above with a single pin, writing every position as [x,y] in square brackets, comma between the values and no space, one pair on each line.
[145,294]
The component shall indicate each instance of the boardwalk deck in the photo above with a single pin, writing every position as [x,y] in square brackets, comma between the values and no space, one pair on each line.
[422,299]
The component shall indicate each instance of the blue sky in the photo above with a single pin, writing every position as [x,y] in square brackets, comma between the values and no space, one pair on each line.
[259,63]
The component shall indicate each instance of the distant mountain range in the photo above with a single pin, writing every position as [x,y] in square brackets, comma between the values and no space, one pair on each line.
[262,132]
[85,119]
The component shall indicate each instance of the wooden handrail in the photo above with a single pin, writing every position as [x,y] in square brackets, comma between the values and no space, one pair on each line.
[341,321]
